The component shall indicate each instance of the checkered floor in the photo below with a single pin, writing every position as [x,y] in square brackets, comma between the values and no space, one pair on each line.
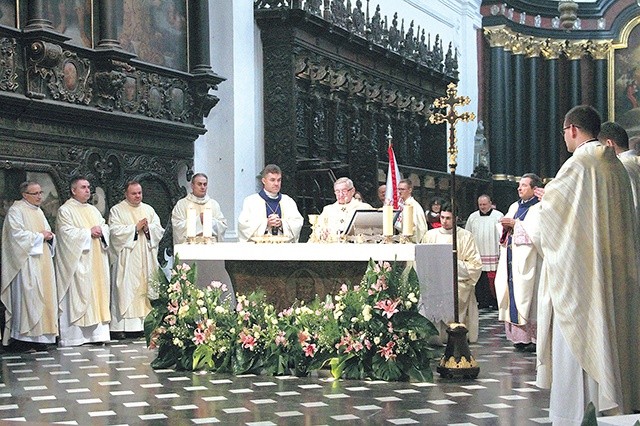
[114,384]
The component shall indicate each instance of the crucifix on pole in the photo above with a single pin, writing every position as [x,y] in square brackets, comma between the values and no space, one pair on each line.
[457,359]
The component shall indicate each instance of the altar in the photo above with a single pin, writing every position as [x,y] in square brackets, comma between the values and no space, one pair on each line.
[287,272]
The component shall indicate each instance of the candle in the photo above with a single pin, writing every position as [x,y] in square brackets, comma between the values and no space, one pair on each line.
[191,222]
[207,221]
[407,220]
[387,221]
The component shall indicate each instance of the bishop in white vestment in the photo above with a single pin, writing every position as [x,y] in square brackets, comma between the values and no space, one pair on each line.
[270,212]
[29,291]
[135,232]
[335,218]
[82,266]
[519,266]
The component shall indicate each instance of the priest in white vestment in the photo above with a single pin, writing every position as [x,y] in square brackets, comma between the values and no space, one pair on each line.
[135,232]
[335,218]
[199,201]
[405,190]
[188,216]
[270,212]
[588,320]
[519,266]
[614,135]
[469,268]
[29,291]
[82,266]
[483,225]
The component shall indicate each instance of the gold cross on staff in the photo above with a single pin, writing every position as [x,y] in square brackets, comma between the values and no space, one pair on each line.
[450,102]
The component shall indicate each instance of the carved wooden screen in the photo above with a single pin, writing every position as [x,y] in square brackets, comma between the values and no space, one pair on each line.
[334,81]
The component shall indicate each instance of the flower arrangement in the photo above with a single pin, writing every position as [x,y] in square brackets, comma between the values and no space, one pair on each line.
[372,329]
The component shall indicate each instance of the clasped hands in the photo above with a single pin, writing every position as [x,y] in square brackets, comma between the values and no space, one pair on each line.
[274,221]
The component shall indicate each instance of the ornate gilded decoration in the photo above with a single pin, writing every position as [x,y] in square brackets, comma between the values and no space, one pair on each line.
[599,49]
[497,36]
[552,49]
[575,49]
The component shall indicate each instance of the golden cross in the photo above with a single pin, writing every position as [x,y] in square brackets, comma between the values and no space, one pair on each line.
[450,102]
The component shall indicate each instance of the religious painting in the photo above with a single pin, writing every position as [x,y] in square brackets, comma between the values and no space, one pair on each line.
[626,78]
[8,13]
[71,18]
[154,30]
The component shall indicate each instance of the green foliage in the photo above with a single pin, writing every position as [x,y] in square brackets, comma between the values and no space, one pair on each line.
[372,329]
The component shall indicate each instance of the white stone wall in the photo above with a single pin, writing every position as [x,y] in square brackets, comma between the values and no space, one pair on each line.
[231,153]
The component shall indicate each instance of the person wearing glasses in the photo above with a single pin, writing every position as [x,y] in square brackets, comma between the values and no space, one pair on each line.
[269,212]
[82,269]
[589,294]
[29,291]
[335,218]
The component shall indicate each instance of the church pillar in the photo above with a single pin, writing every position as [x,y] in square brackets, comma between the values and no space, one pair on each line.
[533,49]
[108,25]
[574,52]
[497,118]
[198,11]
[600,52]
[553,140]
[35,15]
[520,100]
[507,111]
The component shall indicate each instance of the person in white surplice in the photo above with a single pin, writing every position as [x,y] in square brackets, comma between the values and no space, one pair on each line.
[519,266]
[135,232]
[483,225]
[469,269]
[589,294]
[82,266]
[269,212]
[29,291]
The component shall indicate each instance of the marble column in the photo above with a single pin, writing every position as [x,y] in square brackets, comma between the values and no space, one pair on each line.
[554,141]
[600,53]
[36,18]
[533,151]
[199,61]
[107,25]
[575,51]
[497,109]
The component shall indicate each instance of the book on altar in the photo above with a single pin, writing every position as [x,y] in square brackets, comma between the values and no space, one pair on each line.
[367,222]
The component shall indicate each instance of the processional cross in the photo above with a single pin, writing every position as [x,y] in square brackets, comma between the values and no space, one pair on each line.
[457,360]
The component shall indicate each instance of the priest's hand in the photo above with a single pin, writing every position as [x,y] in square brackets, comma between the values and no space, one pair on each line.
[142,225]
[538,192]
[507,222]
[96,232]
[48,235]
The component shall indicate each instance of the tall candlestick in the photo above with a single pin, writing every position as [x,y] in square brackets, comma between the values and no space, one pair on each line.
[191,222]
[407,220]
[207,222]
[387,221]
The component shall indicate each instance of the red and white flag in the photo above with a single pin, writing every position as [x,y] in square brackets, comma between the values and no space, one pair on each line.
[393,178]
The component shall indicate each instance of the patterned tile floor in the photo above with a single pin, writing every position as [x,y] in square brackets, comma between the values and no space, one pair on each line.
[114,384]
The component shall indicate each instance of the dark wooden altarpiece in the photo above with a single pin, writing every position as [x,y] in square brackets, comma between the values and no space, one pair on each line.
[87,106]
[336,77]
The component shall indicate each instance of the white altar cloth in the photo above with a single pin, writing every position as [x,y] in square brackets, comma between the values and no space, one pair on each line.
[433,264]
